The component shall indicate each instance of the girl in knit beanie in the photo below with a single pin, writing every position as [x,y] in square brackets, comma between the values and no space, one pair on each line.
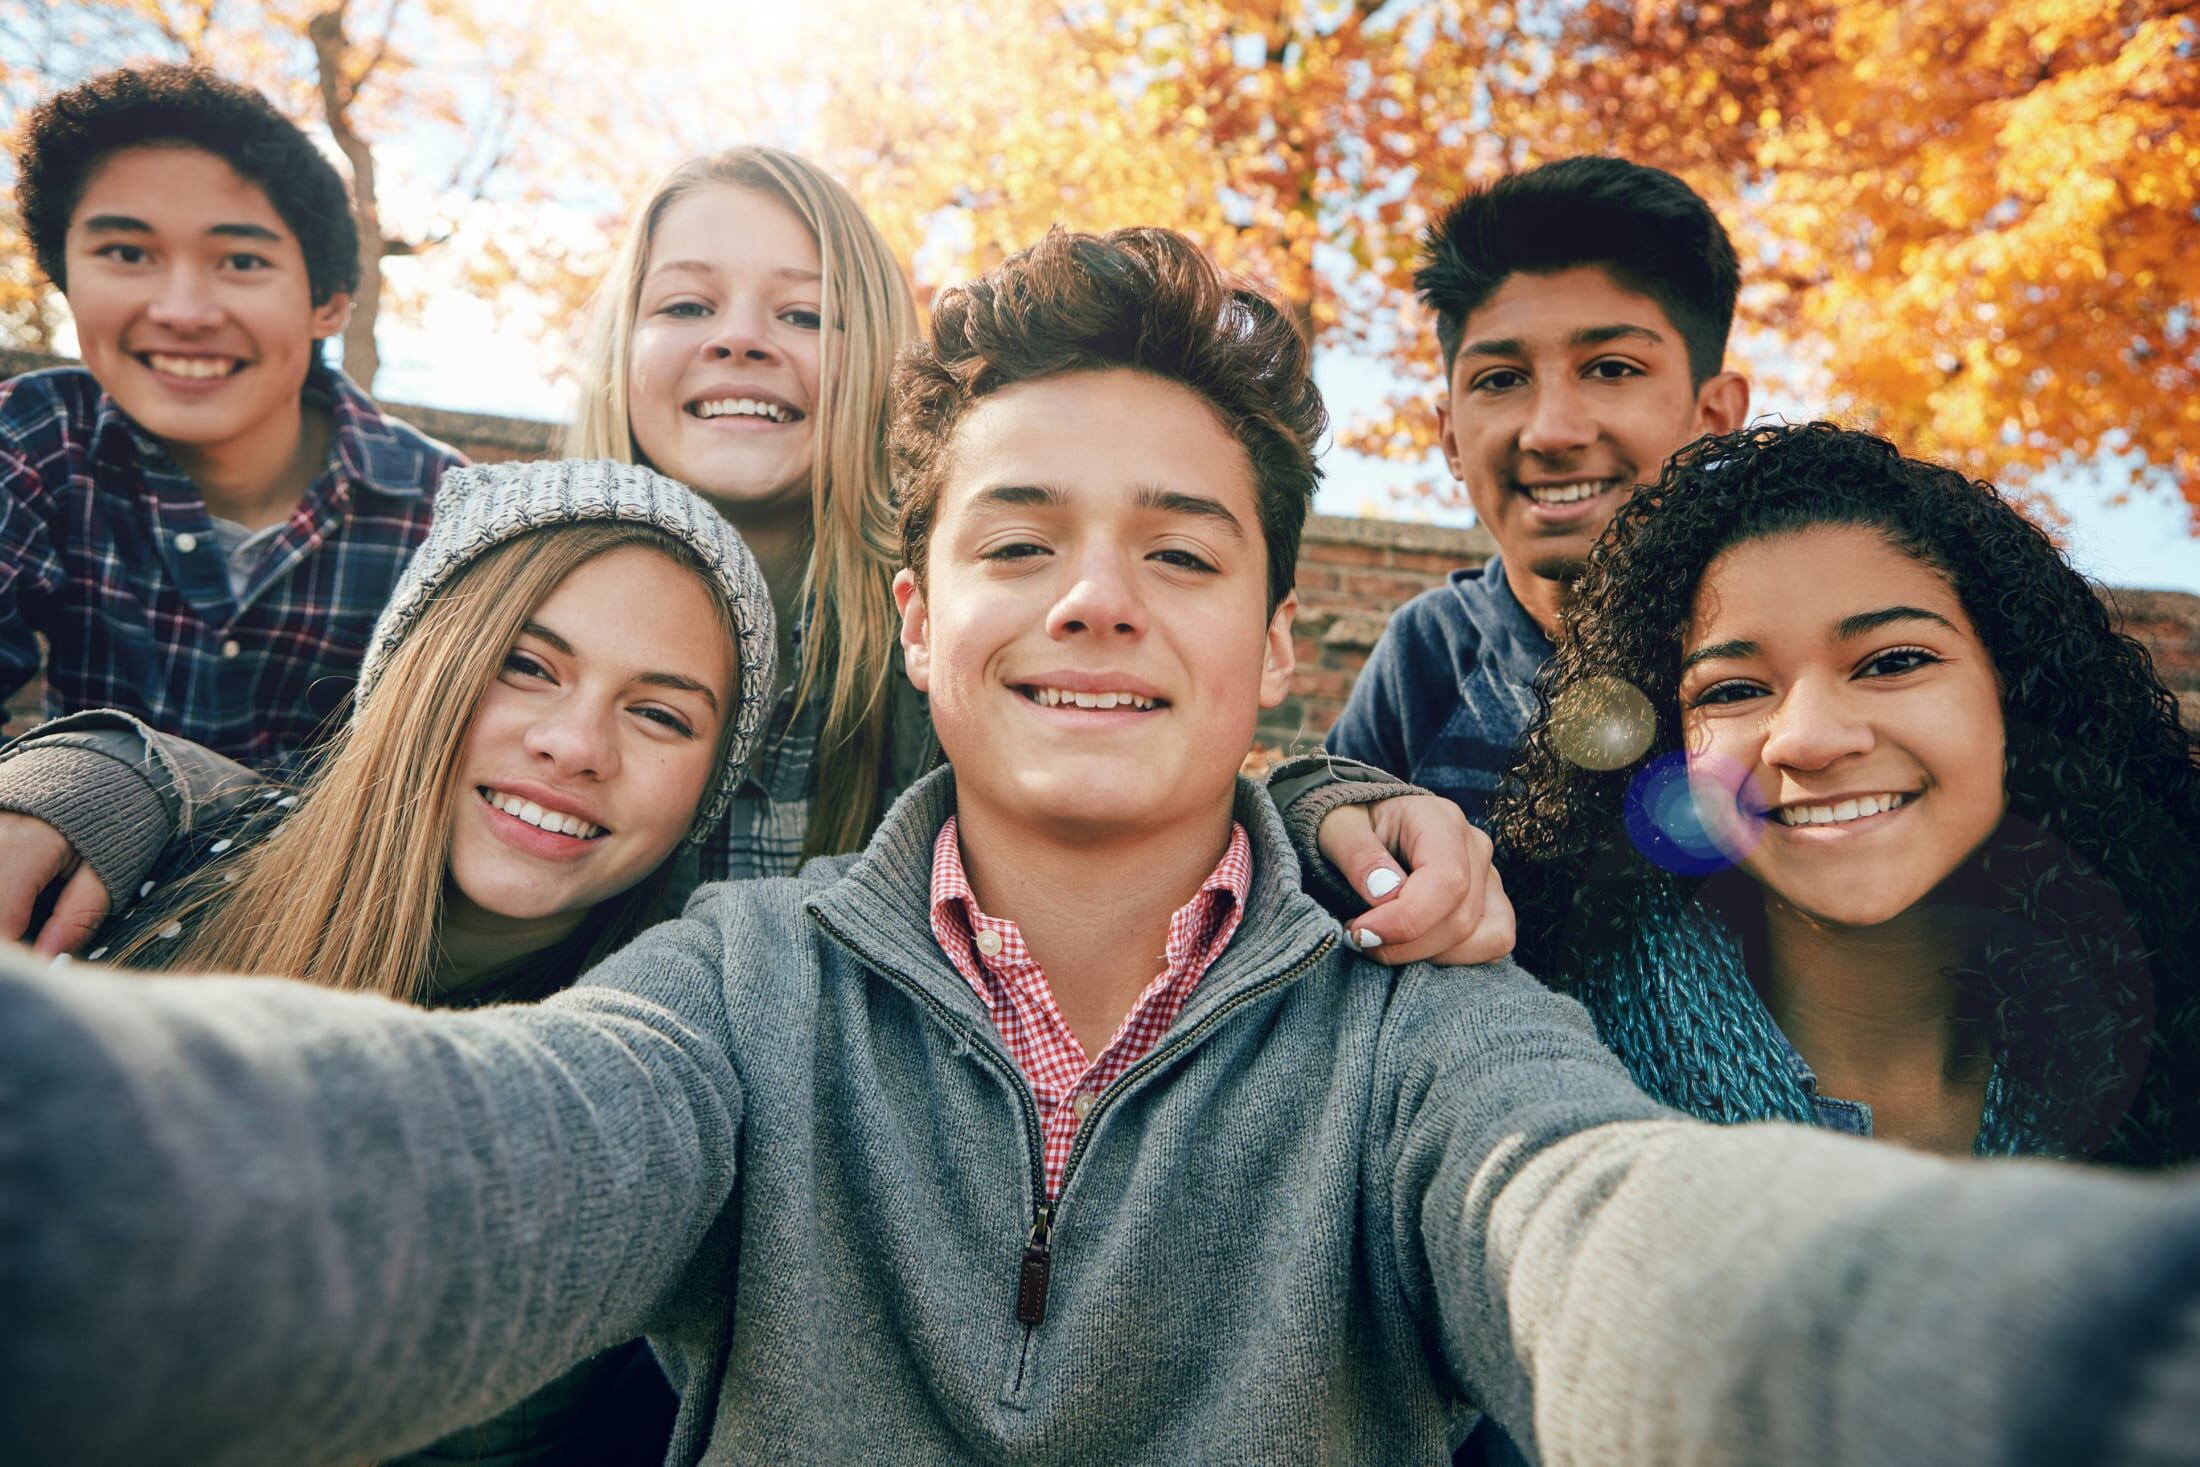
[1849,805]
[555,707]
[562,694]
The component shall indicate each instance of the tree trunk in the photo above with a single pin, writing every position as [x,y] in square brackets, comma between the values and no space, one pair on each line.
[331,55]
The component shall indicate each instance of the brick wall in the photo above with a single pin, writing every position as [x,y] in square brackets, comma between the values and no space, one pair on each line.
[1352,574]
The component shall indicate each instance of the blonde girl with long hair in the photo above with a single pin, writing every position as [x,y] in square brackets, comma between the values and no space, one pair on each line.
[743,344]
[559,697]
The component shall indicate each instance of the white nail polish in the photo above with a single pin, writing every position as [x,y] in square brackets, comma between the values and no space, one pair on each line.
[1367,939]
[1382,881]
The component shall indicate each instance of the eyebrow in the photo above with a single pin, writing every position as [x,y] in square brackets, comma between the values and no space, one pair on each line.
[1717,650]
[1872,621]
[126,224]
[1150,497]
[1513,346]
[704,267]
[1844,629]
[652,679]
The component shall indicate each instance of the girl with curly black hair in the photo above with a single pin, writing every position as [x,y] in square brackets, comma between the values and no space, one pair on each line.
[1848,804]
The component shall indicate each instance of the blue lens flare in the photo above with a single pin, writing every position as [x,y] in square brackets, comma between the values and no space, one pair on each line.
[1689,821]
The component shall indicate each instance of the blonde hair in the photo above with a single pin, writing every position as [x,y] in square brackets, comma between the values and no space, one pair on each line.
[852,630]
[348,891]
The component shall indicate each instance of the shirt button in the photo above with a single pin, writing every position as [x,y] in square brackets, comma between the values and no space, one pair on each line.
[989,943]
[230,649]
[1081,1105]
[187,542]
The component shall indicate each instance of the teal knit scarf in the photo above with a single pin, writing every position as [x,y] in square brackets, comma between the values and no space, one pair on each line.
[1674,1002]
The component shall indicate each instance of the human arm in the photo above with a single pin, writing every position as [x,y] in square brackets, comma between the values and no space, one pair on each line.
[253,1221]
[1398,864]
[1667,1291]
[91,800]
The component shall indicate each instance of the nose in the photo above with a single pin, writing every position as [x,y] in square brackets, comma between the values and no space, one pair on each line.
[1559,422]
[1815,724]
[1102,597]
[574,739]
[185,302]
[743,333]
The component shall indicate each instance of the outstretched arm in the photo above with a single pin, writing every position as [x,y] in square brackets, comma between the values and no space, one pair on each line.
[1667,1291]
[249,1221]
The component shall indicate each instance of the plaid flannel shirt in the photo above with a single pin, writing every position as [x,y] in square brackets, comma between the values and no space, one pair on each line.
[991,955]
[108,554]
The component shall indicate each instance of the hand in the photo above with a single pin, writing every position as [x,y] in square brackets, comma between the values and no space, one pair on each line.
[33,856]
[1447,906]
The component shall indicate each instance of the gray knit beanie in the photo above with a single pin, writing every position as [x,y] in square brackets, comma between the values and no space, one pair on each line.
[481,507]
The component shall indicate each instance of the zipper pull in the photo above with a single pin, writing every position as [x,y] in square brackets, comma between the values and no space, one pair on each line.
[1031,1275]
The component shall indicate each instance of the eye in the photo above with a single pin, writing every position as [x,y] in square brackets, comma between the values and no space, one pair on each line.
[247,264]
[803,317]
[683,310]
[1733,690]
[667,718]
[522,665]
[1499,379]
[1184,560]
[1897,660]
[1015,550]
[123,254]
[1612,369]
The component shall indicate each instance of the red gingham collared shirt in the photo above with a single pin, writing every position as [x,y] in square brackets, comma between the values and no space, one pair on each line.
[991,956]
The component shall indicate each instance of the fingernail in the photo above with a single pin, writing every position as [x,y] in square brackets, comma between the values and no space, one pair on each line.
[1367,939]
[1382,881]
[59,959]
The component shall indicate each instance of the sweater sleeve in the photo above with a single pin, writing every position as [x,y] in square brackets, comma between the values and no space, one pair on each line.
[1660,1290]
[119,790]
[248,1221]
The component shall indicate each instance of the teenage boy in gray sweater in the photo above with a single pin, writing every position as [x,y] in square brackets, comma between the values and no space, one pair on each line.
[1059,1126]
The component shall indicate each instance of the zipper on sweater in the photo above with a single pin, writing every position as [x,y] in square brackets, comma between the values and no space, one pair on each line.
[1031,1277]
[1035,1269]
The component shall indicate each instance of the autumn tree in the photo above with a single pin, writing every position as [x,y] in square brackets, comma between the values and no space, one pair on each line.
[484,98]
[1972,216]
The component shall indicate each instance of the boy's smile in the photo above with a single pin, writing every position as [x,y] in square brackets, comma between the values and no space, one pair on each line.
[1567,391]
[1093,627]
[191,297]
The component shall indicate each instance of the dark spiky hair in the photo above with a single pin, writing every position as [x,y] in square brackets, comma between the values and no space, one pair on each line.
[1649,231]
[71,133]
[1143,299]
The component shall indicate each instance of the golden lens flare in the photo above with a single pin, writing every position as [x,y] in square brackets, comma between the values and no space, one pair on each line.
[1602,723]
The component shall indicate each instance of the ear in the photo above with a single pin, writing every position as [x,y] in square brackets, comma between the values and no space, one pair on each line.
[1280,657]
[916,630]
[1446,439]
[331,315]
[1722,404]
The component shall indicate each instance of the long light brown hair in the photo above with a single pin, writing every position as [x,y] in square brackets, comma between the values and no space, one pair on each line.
[852,631]
[348,891]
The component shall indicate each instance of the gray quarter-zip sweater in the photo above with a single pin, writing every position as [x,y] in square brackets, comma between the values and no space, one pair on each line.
[253,1222]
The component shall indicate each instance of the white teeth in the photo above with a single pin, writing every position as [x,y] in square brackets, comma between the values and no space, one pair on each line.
[1571,493]
[743,407]
[550,820]
[202,368]
[1841,811]
[1059,697]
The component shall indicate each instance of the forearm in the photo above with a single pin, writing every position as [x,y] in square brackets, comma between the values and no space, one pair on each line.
[1673,1292]
[250,1221]
[117,789]
[1305,790]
